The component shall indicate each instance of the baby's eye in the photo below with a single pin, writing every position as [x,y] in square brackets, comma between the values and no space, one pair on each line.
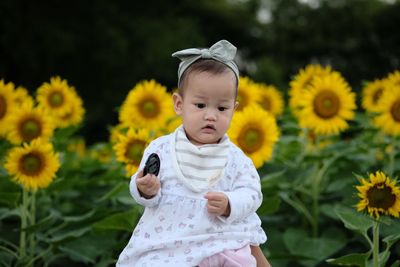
[222,108]
[200,105]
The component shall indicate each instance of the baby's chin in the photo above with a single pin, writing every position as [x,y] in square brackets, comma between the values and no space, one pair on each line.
[205,140]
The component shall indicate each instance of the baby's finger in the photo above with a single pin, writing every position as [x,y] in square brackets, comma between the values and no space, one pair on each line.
[145,180]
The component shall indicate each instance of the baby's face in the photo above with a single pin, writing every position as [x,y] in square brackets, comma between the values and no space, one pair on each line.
[207,106]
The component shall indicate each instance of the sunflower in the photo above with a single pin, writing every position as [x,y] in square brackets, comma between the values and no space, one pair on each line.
[173,123]
[271,99]
[327,104]
[101,152]
[34,165]
[389,107]
[130,147]
[371,95]
[22,97]
[74,115]
[379,195]
[394,78]
[29,123]
[55,96]
[248,93]
[77,146]
[115,131]
[255,131]
[302,81]
[7,105]
[147,105]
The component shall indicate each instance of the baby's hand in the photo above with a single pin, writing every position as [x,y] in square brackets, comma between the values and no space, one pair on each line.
[148,185]
[218,203]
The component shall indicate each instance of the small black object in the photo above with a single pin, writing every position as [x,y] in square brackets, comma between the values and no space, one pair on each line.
[152,165]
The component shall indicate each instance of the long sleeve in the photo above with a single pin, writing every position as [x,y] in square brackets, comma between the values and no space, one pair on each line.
[132,185]
[245,197]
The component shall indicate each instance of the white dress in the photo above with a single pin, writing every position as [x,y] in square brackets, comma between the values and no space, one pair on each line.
[176,229]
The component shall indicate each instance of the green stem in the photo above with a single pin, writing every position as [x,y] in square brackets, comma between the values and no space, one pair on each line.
[391,159]
[315,201]
[24,223]
[375,241]
[32,241]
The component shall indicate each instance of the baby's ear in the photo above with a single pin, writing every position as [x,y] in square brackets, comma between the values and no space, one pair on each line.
[178,103]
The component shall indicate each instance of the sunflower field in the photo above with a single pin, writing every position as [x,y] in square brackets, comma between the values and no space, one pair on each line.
[328,159]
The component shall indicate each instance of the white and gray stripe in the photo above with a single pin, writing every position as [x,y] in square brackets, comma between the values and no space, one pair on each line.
[199,167]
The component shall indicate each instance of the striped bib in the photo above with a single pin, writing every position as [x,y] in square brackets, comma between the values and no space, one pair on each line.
[198,167]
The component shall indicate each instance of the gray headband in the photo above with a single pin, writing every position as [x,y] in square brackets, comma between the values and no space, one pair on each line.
[222,51]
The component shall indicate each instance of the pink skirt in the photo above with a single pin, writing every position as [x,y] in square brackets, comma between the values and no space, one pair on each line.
[231,258]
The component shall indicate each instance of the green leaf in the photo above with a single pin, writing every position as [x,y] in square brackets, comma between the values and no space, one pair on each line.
[115,191]
[124,221]
[319,249]
[396,264]
[354,220]
[355,259]
[80,218]
[89,248]
[5,213]
[67,235]
[45,221]
[272,179]
[269,205]
[383,257]
[10,199]
[391,239]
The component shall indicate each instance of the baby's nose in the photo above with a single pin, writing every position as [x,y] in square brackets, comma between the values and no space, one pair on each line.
[210,115]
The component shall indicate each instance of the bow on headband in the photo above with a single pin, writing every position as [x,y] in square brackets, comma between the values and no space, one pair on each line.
[222,51]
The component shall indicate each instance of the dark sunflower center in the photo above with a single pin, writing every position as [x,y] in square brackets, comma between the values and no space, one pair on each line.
[149,108]
[326,104]
[31,164]
[395,110]
[250,139]
[266,103]
[56,99]
[377,95]
[30,129]
[134,151]
[381,196]
[3,107]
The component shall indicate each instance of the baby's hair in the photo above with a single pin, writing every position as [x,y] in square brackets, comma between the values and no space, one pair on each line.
[203,65]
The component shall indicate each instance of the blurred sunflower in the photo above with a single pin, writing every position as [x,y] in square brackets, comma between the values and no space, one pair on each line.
[327,104]
[394,78]
[34,165]
[115,131]
[173,123]
[55,96]
[248,93]
[22,97]
[7,105]
[271,99]
[302,81]
[29,123]
[77,146]
[74,115]
[101,152]
[130,147]
[255,131]
[371,94]
[389,108]
[147,105]
[379,195]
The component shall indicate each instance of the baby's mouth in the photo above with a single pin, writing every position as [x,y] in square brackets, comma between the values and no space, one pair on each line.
[210,127]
